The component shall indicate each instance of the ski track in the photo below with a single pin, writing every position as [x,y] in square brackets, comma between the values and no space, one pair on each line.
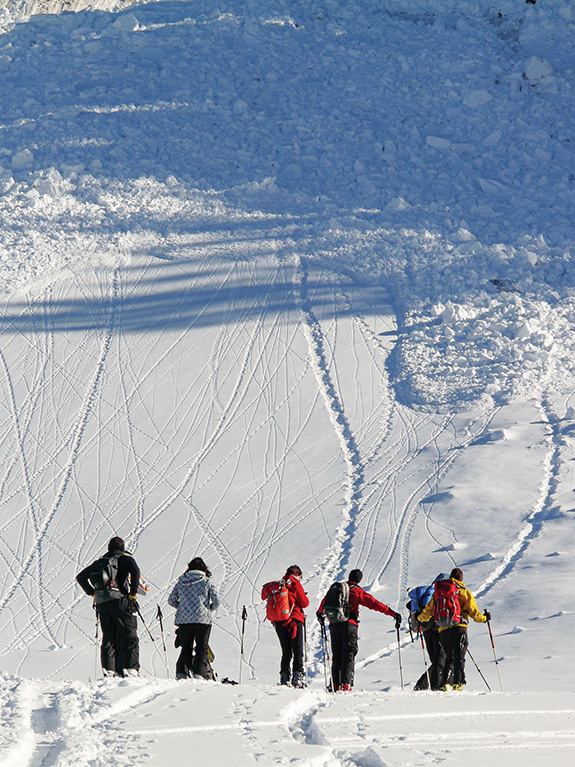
[335,561]
[47,724]
[542,509]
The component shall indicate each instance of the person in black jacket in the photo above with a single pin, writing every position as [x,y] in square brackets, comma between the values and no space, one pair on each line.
[113,582]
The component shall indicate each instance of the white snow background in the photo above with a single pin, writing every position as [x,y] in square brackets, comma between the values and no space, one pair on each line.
[287,282]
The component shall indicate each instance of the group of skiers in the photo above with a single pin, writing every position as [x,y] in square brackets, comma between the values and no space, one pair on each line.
[114,581]
[440,610]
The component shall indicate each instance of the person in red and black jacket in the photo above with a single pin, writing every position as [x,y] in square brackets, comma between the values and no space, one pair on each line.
[344,636]
[291,632]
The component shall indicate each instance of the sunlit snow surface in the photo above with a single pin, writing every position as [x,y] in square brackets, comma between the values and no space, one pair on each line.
[287,282]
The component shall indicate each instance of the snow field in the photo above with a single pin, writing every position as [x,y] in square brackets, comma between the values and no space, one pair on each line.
[287,282]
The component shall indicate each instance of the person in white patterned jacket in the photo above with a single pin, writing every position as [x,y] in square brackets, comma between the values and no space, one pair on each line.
[195,599]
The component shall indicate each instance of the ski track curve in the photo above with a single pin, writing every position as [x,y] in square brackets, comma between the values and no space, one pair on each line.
[335,561]
[543,507]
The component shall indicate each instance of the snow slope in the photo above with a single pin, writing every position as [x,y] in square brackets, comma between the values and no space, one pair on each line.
[287,282]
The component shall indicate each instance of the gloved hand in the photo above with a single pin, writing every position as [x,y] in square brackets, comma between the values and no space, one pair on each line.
[321,617]
[133,604]
[397,617]
[487,615]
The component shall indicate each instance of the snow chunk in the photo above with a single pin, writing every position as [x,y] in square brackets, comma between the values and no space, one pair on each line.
[491,187]
[477,98]
[6,180]
[127,23]
[536,70]
[457,546]
[438,143]
[493,139]
[397,205]
[497,435]
[462,235]
[51,183]
[22,160]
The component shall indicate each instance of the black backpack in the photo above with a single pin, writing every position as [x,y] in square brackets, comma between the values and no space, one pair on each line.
[336,604]
[104,574]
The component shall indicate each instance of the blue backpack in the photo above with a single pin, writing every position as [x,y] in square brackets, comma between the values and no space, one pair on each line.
[418,599]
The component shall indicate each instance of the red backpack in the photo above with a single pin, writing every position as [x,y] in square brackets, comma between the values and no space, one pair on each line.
[277,605]
[446,608]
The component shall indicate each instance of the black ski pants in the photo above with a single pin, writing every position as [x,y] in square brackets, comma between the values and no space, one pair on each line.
[120,646]
[292,646]
[194,638]
[435,651]
[454,642]
[344,647]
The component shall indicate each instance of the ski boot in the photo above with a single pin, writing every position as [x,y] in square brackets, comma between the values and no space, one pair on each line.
[298,680]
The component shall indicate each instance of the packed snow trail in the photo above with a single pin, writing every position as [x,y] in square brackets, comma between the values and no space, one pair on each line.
[148,722]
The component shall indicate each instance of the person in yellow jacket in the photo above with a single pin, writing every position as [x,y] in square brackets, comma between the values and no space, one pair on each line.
[454,640]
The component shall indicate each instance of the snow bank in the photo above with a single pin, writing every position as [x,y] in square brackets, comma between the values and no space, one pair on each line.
[365,118]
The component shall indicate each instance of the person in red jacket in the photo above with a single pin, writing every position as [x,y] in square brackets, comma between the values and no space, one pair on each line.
[291,632]
[344,635]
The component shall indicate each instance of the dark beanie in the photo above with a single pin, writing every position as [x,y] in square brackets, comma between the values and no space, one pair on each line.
[116,544]
[355,576]
[457,574]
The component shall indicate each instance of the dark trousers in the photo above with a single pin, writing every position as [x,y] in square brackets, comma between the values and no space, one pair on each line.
[435,651]
[120,647]
[292,646]
[194,638]
[454,642]
[344,646]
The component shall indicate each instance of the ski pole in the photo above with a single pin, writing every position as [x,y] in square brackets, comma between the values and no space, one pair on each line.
[477,667]
[244,618]
[305,649]
[160,617]
[139,612]
[420,632]
[325,639]
[399,654]
[97,645]
[488,616]
[323,652]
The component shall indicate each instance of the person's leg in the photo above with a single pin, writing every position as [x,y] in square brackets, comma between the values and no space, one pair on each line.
[335,630]
[186,638]
[297,644]
[286,646]
[108,646]
[460,644]
[128,646]
[202,634]
[349,651]
[436,652]
[445,659]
